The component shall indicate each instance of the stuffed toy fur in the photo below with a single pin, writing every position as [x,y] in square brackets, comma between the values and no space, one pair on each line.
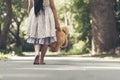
[62,39]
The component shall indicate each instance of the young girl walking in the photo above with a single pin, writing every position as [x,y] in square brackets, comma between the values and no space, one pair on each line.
[42,26]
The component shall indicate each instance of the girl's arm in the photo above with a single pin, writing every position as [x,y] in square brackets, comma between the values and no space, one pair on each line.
[52,5]
[30,5]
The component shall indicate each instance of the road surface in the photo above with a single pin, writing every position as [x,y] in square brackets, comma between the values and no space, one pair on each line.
[60,68]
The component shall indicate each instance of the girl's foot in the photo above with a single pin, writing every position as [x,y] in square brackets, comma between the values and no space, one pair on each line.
[41,61]
[36,61]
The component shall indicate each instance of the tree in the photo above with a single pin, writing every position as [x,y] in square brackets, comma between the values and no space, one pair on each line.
[16,34]
[105,37]
[4,32]
[117,11]
[80,10]
[19,14]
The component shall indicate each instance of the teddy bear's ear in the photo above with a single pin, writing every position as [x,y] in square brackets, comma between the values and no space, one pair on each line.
[65,30]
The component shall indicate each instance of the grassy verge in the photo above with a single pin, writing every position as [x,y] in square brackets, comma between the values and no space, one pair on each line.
[3,56]
[106,55]
[74,52]
[79,53]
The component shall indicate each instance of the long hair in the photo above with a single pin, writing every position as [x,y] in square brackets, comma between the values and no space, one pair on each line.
[38,5]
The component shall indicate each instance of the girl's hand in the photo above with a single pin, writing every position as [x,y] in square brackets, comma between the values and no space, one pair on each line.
[58,27]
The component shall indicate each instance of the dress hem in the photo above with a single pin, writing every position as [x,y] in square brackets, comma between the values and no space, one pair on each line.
[46,41]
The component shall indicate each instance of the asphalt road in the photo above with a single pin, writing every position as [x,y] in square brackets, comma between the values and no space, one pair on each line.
[60,68]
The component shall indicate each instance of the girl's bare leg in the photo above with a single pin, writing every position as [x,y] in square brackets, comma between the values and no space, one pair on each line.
[37,49]
[37,53]
[43,52]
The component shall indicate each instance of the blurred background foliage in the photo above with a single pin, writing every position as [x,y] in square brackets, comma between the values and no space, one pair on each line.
[73,13]
[117,12]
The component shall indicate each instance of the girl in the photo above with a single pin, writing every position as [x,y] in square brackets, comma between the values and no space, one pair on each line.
[41,26]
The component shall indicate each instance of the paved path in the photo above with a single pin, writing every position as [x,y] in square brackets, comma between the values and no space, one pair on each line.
[60,68]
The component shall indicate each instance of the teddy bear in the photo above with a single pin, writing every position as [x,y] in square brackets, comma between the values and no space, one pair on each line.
[62,39]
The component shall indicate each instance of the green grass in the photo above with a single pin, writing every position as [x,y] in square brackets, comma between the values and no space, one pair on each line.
[3,56]
[78,52]
[72,52]
[106,55]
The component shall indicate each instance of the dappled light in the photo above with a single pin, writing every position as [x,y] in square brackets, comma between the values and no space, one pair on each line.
[68,13]
[80,40]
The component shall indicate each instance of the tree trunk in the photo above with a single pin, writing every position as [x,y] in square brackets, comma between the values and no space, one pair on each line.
[4,33]
[18,41]
[105,37]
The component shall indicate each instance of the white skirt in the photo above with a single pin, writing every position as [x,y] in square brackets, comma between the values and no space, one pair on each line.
[41,29]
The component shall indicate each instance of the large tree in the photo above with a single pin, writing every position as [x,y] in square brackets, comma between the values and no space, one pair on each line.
[105,37]
[4,32]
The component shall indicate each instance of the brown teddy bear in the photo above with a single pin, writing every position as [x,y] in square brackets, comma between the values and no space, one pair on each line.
[62,39]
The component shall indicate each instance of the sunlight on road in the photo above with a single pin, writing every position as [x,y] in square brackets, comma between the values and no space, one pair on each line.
[73,58]
[73,68]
